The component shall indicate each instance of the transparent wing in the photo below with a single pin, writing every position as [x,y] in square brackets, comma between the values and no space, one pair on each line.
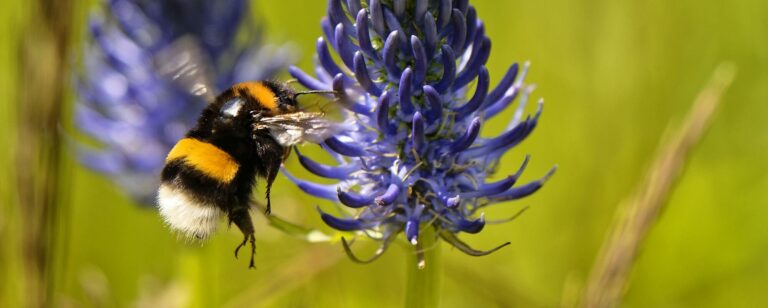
[186,65]
[299,127]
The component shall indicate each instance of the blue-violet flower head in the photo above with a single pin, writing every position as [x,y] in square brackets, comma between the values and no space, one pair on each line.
[413,158]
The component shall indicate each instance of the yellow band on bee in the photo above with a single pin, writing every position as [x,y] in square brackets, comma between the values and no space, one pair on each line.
[262,93]
[206,158]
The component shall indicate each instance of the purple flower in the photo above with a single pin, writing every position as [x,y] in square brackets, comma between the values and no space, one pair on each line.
[414,158]
[135,112]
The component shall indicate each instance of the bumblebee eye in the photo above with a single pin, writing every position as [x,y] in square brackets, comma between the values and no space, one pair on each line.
[232,107]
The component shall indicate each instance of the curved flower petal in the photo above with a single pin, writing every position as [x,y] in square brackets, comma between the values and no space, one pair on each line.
[339,223]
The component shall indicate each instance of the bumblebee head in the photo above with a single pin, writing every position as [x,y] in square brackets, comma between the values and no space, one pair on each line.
[267,97]
[234,110]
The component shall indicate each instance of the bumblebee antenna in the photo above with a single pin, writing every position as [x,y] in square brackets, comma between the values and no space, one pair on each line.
[315,92]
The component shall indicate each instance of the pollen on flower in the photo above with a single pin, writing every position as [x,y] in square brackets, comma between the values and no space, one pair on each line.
[412,79]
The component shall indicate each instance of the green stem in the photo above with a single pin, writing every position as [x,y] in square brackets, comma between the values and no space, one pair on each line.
[424,270]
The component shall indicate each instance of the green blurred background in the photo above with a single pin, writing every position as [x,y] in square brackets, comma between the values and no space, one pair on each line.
[615,75]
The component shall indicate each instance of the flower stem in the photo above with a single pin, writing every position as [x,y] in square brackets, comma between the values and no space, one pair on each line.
[424,270]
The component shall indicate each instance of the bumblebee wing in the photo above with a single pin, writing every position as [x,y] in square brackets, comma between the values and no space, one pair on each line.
[299,127]
[185,64]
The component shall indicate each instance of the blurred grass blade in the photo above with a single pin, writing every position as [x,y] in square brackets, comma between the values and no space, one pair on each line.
[43,53]
[608,279]
[301,232]
[291,275]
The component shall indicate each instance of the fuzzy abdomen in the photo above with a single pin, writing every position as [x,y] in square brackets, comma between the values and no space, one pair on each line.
[200,184]
[186,214]
[205,158]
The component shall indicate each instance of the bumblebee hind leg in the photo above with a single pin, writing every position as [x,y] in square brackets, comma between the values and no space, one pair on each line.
[242,219]
[272,171]
[248,238]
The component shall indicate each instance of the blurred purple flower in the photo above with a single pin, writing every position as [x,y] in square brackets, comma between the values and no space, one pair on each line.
[414,158]
[130,108]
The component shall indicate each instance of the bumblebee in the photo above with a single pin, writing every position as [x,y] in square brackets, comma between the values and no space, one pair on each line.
[245,132]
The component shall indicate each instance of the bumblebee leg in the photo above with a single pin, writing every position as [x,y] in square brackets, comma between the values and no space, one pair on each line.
[271,176]
[252,239]
[245,240]
[242,219]
[253,251]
